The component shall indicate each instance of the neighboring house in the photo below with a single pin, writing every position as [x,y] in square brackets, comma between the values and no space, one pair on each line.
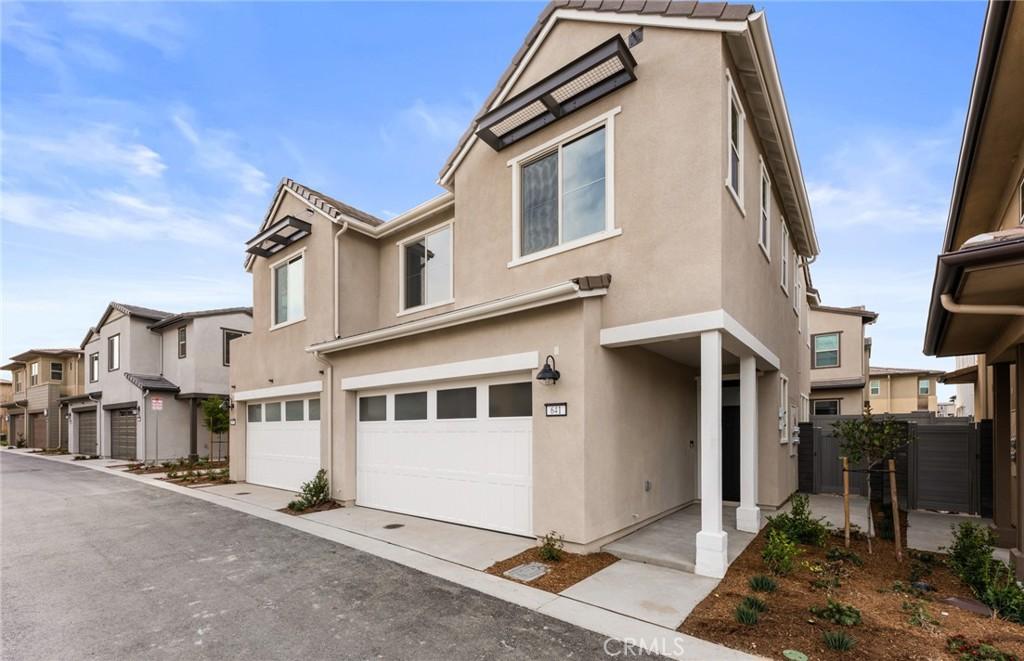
[599,322]
[977,301]
[903,390]
[6,402]
[947,409]
[146,372]
[41,378]
[840,356]
[968,388]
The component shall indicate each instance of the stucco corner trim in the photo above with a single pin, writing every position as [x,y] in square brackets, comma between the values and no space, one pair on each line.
[303,388]
[516,362]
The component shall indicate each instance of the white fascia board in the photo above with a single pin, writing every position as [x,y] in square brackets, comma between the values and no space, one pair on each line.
[416,214]
[305,388]
[516,362]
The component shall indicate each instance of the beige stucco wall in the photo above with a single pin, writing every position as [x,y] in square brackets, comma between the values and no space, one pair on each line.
[851,400]
[852,362]
[898,394]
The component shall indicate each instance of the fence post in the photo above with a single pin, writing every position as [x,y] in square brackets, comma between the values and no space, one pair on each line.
[896,525]
[846,500]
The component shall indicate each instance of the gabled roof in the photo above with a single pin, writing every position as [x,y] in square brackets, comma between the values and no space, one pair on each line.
[152,382]
[131,310]
[25,355]
[184,316]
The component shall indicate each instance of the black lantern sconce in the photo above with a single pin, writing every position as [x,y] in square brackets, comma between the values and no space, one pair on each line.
[548,375]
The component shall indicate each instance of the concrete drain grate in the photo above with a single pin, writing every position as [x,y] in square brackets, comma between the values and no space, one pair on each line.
[528,572]
[394,526]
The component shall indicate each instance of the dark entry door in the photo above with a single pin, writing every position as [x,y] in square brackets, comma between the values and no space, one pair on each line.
[122,434]
[731,453]
[38,430]
[87,432]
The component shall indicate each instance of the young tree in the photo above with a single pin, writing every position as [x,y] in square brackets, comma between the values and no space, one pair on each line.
[215,417]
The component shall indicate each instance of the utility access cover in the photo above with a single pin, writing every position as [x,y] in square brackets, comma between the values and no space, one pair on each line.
[528,572]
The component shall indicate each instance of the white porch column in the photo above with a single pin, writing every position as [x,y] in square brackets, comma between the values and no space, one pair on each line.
[712,559]
[748,516]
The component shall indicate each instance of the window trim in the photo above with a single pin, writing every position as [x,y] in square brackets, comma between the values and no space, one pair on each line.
[402,311]
[784,430]
[605,121]
[273,266]
[110,354]
[734,96]
[798,287]
[785,275]
[764,205]
[839,350]
[94,374]
[59,364]
[1020,199]
[182,334]
[874,387]
[927,384]
[33,379]
[224,350]
[838,401]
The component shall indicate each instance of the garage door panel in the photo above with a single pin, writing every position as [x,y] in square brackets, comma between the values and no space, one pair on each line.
[282,454]
[86,427]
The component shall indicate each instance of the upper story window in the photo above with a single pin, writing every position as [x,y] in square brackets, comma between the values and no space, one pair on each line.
[182,342]
[94,367]
[764,227]
[923,386]
[734,157]
[56,371]
[1020,200]
[875,387]
[826,350]
[113,353]
[426,269]
[784,281]
[226,343]
[289,290]
[17,381]
[33,374]
[783,409]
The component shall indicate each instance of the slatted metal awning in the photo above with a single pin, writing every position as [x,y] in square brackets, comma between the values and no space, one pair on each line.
[586,79]
[278,236]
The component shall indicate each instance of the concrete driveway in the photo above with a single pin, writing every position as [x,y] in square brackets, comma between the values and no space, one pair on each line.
[97,566]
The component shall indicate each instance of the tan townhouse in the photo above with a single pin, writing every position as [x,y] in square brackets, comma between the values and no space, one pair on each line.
[6,401]
[601,320]
[977,301]
[42,377]
[903,390]
[840,359]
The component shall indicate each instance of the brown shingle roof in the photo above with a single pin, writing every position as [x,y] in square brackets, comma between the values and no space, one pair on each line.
[328,204]
[722,11]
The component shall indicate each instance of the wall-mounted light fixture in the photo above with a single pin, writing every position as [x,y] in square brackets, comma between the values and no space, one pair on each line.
[548,375]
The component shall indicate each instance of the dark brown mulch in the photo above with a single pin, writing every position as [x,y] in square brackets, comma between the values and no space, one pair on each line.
[197,482]
[322,507]
[570,570]
[157,468]
[885,631]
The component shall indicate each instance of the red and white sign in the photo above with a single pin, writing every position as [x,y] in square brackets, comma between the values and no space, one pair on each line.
[157,404]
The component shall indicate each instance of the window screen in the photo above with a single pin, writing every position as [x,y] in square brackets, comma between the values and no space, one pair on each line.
[510,400]
[456,403]
[540,204]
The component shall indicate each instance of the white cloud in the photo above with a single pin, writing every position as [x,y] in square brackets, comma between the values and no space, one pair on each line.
[427,122]
[96,147]
[216,154]
[150,23]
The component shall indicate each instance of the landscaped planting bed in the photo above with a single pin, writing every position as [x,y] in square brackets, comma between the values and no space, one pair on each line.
[570,570]
[830,600]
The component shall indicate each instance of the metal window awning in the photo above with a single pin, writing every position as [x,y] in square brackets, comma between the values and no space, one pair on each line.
[589,77]
[278,236]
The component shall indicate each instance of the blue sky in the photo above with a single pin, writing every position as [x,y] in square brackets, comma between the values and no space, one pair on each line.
[141,143]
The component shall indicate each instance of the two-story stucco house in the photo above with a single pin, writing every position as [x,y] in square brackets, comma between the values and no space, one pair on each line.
[903,390]
[600,321]
[145,373]
[840,358]
[42,377]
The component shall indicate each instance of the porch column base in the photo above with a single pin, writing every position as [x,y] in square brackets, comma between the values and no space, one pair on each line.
[1016,561]
[748,519]
[1006,536]
[712,553]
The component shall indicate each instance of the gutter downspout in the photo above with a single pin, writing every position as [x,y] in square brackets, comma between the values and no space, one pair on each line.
[330,417]
[950,305]
[337,284]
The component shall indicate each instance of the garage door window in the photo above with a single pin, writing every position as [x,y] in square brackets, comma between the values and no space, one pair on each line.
[293,411]
[456,403]
[255,412]
[411,406]
[373,409]
[273,411]
[510,400]
[314,409]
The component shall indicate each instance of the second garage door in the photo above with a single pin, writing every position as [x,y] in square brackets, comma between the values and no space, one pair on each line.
[86,428]
[122,434]
[38,424]
[282,442]
[454,452]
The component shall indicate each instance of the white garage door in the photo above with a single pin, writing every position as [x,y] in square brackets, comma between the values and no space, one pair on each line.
[282,442]
[455,452]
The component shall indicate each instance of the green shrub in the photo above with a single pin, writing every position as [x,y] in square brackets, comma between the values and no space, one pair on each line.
[315,492]
[970,555]
[918,612]
[842,554]
[838,613]
[827,583]
[838,641]
[798,525]
[551,547]
[762,583]
[754,604]
[1003,594]
[968,651]
[747,616]
[779,553]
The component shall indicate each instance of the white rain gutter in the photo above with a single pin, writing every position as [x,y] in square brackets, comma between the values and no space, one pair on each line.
[336,279]
[950,305]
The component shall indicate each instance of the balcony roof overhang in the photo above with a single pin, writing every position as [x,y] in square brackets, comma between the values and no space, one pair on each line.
[278,236]
[586,79]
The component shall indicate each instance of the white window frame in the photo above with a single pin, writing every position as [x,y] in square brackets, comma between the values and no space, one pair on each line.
[182,335]
[60,366]
[33,374]
[273,289]
[764,217]
[798,288]
[784,259]
[927,384]
[839,351]
[401,268]
[783,409]
[606,121]
[1020,199]
[94,367]
[805,408]
[734,97]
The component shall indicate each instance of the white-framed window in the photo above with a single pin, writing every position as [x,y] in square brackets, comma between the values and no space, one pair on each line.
[1020,200]
[764,218]
[826,407]
[426,271]
[17,381]
[182,342]
[288,290]
[798,290]
[924,386]
[94,367]
[805,408]
[113,353]
[784,262]
[734,149]
[33,374]
[563,192]
[875,387]
[826,350]
[56,371]
[783,409]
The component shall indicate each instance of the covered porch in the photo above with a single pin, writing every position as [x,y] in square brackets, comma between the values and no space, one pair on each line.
[706,537]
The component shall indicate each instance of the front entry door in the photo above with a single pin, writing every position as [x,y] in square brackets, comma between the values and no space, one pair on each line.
[731,453]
